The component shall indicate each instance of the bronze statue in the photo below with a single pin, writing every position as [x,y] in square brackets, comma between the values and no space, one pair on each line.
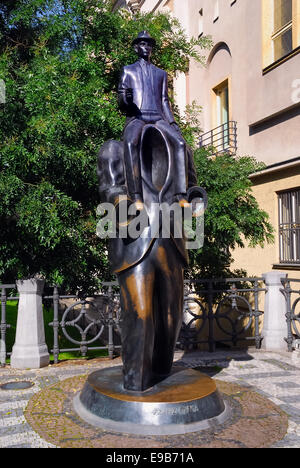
[150,167]
[143,96]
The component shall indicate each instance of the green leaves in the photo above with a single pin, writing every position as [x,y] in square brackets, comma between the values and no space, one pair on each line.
[61,60]
[233,217]
[47,215]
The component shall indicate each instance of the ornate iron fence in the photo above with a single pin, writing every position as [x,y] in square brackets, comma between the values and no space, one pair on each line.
[4,326]
[225,311]
[291,292]
[217,313]
[90,322]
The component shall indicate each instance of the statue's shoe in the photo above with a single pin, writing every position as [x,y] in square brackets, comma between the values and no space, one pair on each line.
[183,203]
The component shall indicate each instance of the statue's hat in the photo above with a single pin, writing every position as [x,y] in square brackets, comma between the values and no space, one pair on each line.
[144,36]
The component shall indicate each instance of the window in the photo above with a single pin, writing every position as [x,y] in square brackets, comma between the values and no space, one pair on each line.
[201,23]
[283,28]
[216,11]
[221,112]
[289,227]
[281,31]
[222,94]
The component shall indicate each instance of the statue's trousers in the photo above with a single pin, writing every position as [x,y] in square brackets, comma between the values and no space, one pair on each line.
[152,307]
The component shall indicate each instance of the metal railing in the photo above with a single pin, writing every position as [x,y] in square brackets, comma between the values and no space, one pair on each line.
[4,326]
[289,245]
[289,227]
[222,139]
[291,291]
[135,5]
[216,312]
[224,315]
[227,311]
[91,323]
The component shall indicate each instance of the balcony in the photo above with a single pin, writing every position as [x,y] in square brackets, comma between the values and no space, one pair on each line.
[135,5]
[222,139]
[132,5]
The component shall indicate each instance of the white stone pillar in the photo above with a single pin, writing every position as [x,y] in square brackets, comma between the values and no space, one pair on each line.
[275,327]
[30,350]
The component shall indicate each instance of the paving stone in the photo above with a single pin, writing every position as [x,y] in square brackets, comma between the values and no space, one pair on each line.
[11,413]
[45,381]
[265,375]
[291,399]
[287,385]
[281,365]
[19,446]
[15,429]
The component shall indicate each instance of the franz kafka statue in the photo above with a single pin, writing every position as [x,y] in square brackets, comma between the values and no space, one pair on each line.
[151,165]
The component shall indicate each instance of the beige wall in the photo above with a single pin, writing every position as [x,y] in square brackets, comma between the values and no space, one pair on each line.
[265,187]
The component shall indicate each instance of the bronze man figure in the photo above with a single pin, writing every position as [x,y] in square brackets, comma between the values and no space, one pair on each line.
[143,96]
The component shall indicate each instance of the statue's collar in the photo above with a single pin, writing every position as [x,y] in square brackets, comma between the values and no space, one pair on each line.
[143,62]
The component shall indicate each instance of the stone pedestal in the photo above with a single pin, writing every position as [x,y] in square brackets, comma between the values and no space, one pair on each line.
[187,401]
[30,350]
[275,327]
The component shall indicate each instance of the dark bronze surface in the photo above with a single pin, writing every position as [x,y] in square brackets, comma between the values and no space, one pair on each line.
[151,165]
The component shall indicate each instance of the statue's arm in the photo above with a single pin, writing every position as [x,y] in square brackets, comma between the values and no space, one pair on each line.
[122,91]
[110,172]
[125,97]
[165,101]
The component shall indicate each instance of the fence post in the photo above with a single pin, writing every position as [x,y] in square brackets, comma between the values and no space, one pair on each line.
[3,329]
[257,314]
[30,350]
[275,326]
[55,324]
[289,315]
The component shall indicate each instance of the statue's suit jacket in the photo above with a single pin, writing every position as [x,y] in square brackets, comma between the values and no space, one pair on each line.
[132,77]
[124,253]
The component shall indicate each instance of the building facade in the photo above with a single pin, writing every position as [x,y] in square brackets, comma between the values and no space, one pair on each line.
[250,94]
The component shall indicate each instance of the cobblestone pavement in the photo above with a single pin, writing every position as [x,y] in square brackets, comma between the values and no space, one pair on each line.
[275,376]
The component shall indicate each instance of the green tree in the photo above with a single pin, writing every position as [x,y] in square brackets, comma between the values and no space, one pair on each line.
[233,217]
[60,60]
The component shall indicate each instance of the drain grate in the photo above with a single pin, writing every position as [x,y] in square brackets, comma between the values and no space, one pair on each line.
[20,385]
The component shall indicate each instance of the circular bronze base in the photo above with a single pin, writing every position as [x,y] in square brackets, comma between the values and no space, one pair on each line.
[187,401]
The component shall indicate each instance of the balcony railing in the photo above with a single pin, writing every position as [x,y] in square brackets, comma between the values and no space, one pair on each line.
[135,5]
[222,139]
